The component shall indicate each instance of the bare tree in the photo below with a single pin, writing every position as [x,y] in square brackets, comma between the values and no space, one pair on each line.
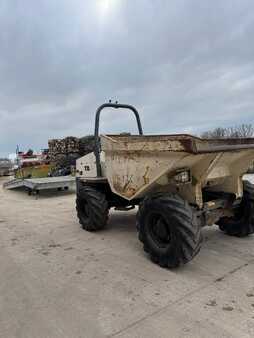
[215,133]
[243,130]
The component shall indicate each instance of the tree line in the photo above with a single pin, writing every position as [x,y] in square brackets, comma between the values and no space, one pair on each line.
[243,130]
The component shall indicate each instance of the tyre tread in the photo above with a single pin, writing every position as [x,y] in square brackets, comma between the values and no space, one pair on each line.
[188,232]
[98,206]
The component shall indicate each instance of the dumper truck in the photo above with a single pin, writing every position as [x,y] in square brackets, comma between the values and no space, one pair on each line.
[180,183]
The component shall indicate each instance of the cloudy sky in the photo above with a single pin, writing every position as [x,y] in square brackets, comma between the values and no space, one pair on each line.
[187,65]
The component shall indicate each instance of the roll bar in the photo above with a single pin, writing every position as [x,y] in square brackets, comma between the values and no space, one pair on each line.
[97,124]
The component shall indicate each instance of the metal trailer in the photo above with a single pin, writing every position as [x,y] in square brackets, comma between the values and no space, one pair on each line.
[34,185]
[179,182]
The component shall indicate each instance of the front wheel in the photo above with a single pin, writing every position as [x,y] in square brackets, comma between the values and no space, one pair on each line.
[92,208]
[168,230]
[242,223]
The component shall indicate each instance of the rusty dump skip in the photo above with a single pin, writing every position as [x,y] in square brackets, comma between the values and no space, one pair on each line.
[180,142]
[135,165]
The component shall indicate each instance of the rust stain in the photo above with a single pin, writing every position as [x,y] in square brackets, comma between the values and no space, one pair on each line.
[146,177]
[126,190]
[117,183]
[127,183]
[130,192]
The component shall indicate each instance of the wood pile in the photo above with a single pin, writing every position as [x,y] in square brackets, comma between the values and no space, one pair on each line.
[64,152]
[64,146]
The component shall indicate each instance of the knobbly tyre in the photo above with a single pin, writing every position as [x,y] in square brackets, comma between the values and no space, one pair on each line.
[179,182]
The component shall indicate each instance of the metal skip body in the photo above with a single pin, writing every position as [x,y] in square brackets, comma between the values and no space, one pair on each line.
[135,165]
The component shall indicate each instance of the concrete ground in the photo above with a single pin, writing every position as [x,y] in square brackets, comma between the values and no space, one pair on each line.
[57,280]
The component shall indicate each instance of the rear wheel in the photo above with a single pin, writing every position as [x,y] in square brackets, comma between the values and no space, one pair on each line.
[168,230]
[242,223]
[92,208]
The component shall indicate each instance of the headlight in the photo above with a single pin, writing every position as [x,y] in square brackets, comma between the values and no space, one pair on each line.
[183,176]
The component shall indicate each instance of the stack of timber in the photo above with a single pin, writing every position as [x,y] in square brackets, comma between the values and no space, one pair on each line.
[63,153]
[64,146]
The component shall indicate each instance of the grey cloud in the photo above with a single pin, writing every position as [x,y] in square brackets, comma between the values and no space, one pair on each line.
[187,65]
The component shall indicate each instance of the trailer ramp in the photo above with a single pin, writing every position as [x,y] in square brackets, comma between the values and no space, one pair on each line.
[37,184]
